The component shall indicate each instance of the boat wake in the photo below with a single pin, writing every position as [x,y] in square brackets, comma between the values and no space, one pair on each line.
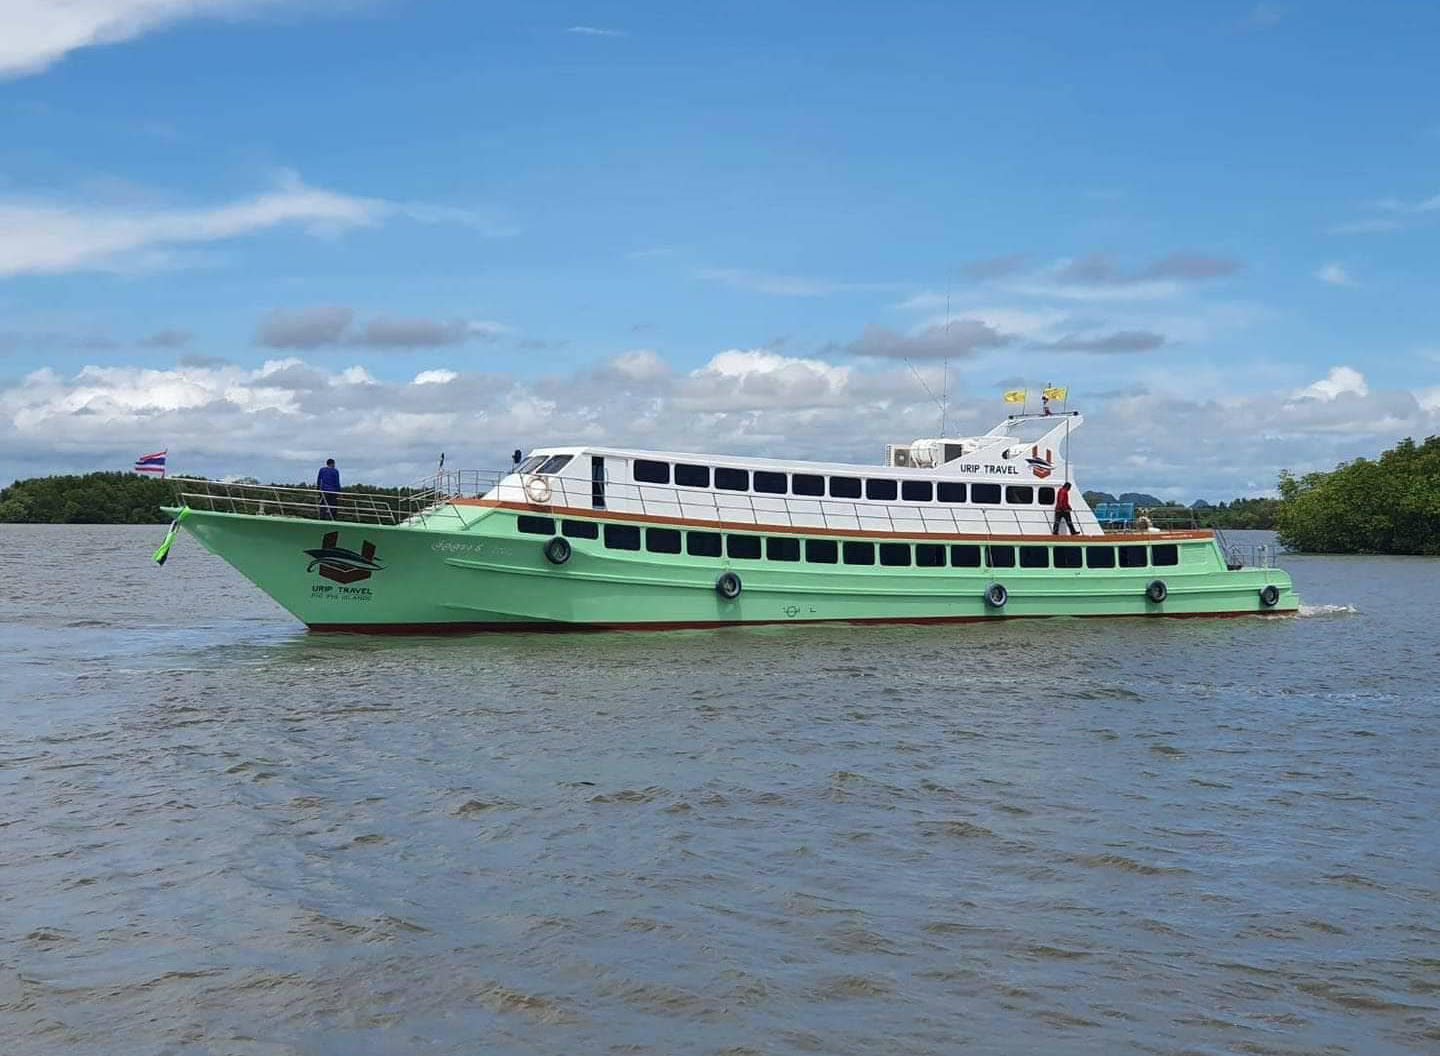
[1328,610]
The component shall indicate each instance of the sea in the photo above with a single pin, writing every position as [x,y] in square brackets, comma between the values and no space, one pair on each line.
[221,834]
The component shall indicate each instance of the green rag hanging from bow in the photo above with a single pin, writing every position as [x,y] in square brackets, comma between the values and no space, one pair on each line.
[163,551]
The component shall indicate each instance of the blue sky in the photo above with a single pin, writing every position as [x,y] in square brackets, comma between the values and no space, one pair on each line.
[259,233]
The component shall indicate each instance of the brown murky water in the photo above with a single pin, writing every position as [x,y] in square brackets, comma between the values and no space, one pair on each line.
[222,835]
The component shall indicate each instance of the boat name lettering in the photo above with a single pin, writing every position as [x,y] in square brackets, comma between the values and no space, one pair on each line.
[447,547]
[327,592]
[977,467]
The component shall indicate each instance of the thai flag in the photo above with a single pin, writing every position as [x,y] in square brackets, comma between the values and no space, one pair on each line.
[151,463]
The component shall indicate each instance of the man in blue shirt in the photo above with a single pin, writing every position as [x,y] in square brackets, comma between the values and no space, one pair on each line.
[328,481]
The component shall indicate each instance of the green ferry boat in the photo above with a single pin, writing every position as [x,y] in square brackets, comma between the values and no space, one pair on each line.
[949,529]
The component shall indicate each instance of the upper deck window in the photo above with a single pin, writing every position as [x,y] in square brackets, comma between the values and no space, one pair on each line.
[806,484]
[649,472]
[770,483]
[1046,497]
[917,490]
[1019,494]
[728,479]
[883,490]
[844,487]
[985,494]
[692,476]
[555,464]
[528,466]
[950,491]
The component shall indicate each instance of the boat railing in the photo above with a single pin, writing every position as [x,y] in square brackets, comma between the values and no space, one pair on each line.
[750,510]
[271,500]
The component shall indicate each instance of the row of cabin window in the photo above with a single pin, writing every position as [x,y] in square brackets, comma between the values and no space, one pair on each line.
[855,552]
[767,482]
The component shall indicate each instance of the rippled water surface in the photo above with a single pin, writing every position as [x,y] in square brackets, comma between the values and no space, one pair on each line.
[223,835]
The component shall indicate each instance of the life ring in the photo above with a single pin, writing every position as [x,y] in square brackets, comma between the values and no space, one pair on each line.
[537,490]
[557,550]
[997,596]
[1157,591]
[728,586]
[1269,595]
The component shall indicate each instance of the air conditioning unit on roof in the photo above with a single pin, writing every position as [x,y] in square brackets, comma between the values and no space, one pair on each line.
[896,455]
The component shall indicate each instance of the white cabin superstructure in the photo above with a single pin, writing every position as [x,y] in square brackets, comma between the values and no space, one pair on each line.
[999,483]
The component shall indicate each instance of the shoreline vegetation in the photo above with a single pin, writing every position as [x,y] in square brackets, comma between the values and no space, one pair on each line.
[1389,505]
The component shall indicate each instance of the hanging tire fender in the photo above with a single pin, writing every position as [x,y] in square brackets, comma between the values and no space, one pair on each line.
[1269,595]
[996,596]
[728,586]
[1157,591]
[557,550]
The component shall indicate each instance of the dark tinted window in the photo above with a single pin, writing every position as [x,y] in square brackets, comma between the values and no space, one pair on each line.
[1067,557]
[1046,497]
[985,493]
[1166,554]
[1019,494]
[770,483]
[732,479]
[702,544]
[821,551]
[859,553]
[1100,557]
[555,464]
[780,548]
[530,464]
[622,537]
[662,540]
[895,554]
[964,556]
[692,476]
[746,546]
[806,484]
[535,525]
[1132,556]
[580,529]
[929,555]
[1001,556]
[844,487]
[949,491]
[1034,557]
[880,489]
[651,472]
[916,490]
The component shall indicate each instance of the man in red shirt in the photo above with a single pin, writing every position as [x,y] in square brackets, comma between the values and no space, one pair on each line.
[1062,510]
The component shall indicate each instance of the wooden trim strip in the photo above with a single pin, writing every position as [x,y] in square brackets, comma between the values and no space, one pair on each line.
[583,514]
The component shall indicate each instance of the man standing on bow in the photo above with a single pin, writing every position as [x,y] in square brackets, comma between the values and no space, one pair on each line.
[328,481]
[1062,510]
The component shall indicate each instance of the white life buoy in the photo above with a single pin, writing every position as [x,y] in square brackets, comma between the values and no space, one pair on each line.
[537,489]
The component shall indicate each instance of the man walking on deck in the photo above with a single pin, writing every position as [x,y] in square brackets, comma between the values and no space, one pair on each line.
[328,481]
[1062,510]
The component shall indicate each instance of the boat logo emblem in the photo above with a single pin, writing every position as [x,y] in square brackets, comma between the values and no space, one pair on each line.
[341,565]
[1041,467]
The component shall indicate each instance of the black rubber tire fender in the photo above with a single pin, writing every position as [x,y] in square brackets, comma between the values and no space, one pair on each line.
[1157,591]
[1269,595]
[557,550]
[996,596]
[728,586]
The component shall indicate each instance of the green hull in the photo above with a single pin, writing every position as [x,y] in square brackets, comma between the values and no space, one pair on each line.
[490,576]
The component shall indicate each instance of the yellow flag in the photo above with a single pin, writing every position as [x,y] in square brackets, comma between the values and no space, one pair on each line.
[1057,393]
[1015,396]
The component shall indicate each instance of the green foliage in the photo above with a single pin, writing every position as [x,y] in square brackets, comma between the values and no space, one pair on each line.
[115,498]
[1387,506]
[95,498]
[1238,513]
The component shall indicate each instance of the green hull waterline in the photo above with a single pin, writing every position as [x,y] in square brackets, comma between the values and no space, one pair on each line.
[487,575]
